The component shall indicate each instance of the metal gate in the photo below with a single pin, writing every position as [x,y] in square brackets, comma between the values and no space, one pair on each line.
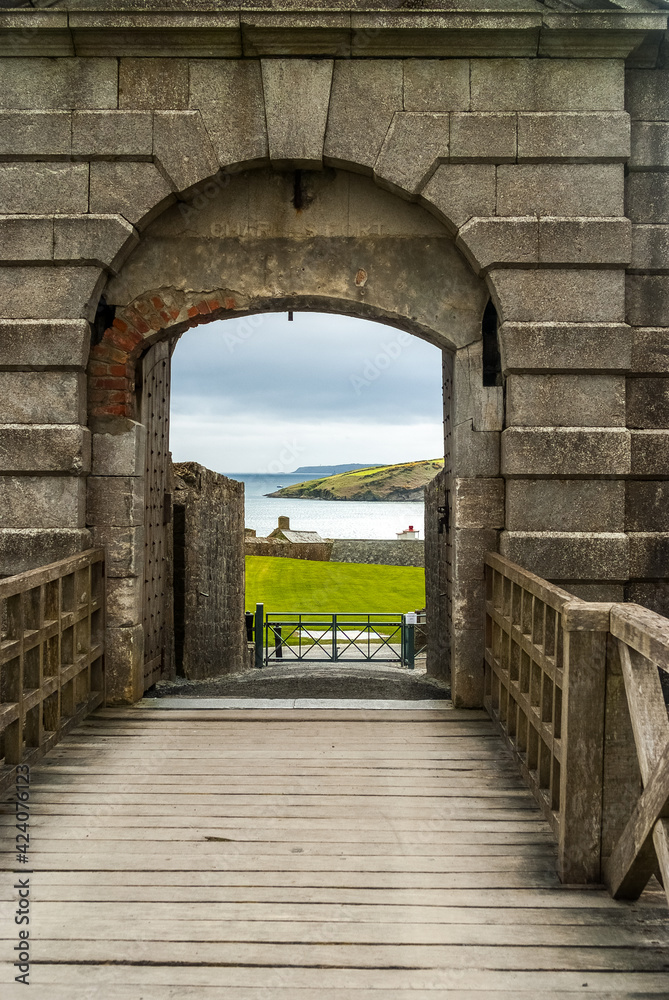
[157,591]
[284,637]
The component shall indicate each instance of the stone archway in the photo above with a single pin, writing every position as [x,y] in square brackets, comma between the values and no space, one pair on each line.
[520,158]
[347,246]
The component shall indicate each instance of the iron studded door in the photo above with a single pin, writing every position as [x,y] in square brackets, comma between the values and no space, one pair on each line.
[157,596]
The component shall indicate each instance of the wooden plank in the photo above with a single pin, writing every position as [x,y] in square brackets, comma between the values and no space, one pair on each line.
[582,738]
[626,874]
[634,858]
[59,924]
[420,959]
[325,888]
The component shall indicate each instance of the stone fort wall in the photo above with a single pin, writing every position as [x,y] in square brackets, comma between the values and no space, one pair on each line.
[535,143]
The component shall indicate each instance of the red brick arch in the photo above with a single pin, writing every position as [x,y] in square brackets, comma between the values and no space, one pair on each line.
[111,368]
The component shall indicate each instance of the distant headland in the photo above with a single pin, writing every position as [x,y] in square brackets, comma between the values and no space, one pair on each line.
[404,482]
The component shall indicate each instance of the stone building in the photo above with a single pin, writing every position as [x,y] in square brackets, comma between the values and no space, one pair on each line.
[495,181]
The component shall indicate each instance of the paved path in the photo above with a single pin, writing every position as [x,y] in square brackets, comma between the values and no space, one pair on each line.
[308,854]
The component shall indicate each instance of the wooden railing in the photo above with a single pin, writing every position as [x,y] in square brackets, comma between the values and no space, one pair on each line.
[640,641]
[574,687]
[51,655]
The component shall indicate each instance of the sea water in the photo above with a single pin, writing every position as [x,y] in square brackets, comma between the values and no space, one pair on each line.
[330,518]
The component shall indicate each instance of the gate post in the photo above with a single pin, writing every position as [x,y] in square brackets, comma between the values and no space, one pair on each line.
[585,631]
[259,634]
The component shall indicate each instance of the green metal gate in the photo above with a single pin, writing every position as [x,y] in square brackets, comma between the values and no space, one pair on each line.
[335,637]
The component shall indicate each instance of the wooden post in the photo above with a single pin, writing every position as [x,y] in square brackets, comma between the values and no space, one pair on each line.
[585,629]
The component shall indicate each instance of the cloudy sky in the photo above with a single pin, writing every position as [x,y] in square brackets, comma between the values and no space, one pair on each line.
[261,394]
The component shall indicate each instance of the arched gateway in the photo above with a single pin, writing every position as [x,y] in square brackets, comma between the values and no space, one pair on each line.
[159,173]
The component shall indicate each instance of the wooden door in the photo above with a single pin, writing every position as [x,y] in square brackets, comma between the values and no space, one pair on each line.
[157,603]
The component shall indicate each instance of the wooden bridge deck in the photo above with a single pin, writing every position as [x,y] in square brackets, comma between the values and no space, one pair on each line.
[301,854]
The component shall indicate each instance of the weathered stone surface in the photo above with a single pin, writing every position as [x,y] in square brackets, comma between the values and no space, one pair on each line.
[26,237]
[372,551]
[64,448]
[478,503]
[469,604]
[49,293]
[118,448]
[650,145]
[35,133]
[43,397]
[124,664]
[572,135]
[115,500]
[183,148]
[482,136]
[364,97]
[546,85]
[44,343]
[562,296]
[296,128]
[565,451]
[475,453]
[58,83]
[43,501]
[650,248]
[584,241]
[414,144]
[229,95]
[43,188]
[653,594]
[606,593]
[22,549]
[106,134]
[647,94]
[124,548]
[565,505]
[649,554]
[647,197]
[491,242]
[469,550]
[560,189]
[153,84]
[569,555]
[457,192]
[137,191]
[209,634]
[554,400]
[650,453]
[647,505]
[124,601]
[436,85]
[650,350]
[99,239]
[648,403]
[647,299]
[467,653]
[565,346]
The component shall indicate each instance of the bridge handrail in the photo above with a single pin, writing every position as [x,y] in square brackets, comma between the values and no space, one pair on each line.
[51,655]
[575,689]
[641,646]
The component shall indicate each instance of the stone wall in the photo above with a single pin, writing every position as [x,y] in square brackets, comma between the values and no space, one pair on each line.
[319,551]
[437,581]
[209,629]
[431,162]
[382,552]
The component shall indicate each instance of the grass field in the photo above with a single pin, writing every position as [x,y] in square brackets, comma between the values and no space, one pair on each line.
[307,585]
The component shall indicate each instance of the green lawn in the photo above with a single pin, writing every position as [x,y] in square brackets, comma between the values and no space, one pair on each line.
[306,585]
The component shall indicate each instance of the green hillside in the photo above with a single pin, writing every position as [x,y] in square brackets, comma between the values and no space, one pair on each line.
[385,482]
